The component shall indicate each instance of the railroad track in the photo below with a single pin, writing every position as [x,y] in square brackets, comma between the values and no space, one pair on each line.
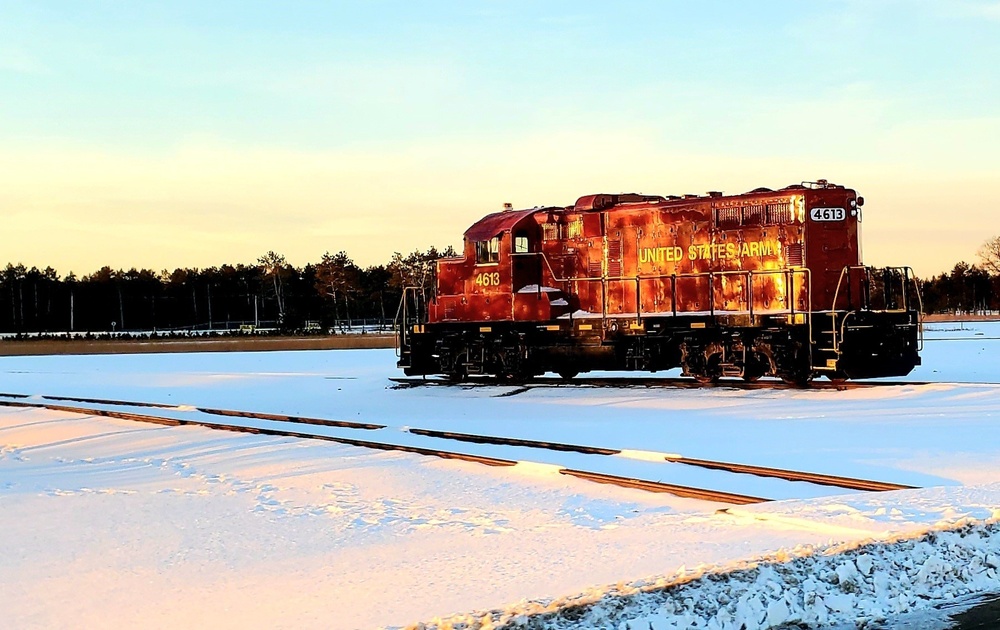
[667,382]
[851,483]
[19,400]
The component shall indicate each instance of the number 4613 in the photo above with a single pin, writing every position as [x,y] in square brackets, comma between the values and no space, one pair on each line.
[488,279]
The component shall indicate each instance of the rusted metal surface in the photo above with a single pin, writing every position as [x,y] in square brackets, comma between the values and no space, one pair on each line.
[686,492]
[851,483]
[496,223]
[621,255]
[384,446]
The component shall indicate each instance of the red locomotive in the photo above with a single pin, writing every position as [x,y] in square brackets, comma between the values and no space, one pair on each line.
[767,283]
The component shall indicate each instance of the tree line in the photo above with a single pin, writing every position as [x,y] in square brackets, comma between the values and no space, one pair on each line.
[271,294]
[967,288]
[326,295]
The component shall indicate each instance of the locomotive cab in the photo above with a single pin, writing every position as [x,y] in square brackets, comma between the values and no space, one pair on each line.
[500,275]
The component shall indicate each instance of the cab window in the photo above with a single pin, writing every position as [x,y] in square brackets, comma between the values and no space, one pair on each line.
[521,243]
[488,251]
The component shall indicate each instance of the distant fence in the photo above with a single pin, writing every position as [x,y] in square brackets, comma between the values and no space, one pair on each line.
[361,326]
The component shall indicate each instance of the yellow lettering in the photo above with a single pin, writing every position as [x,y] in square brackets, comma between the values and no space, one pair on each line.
[697,251]
[488,279]
[670,254]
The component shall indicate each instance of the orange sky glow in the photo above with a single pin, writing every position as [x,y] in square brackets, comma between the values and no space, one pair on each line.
[162,137]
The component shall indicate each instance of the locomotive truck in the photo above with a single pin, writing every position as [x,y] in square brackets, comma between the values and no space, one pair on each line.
[765,283]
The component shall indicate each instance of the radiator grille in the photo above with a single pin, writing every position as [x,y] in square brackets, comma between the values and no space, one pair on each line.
[614,258]
[793,255]
[614,249]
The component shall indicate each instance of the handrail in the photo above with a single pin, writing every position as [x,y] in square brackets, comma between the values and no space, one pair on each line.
[401,325]
[906,271]
[400,339]
[920,312]
[700,274]
[907,274]
[787,272]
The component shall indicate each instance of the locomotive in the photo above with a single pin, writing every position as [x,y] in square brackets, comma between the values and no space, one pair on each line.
[765,283]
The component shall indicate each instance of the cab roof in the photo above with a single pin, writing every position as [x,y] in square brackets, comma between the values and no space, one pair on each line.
[496,223]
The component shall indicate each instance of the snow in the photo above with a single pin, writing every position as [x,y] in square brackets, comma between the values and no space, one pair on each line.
[534,288]
[127,523]
[856,583]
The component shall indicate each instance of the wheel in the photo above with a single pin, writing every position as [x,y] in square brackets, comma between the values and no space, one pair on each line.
[459,372]
[793,364]
[837,378]
[710,371]
[797,379]
[755,367]
[567,374]
[514,378]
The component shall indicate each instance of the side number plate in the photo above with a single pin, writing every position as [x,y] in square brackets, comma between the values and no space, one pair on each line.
[827,214]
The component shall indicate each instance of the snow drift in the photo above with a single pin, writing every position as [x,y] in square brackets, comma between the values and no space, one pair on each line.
[859,583]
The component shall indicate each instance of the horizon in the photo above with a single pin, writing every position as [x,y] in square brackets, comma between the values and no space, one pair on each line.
[192,135]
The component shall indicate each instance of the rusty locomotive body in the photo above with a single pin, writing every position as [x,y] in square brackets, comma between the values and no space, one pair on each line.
[766,283]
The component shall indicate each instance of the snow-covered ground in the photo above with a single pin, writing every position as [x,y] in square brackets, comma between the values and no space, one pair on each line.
[114,523]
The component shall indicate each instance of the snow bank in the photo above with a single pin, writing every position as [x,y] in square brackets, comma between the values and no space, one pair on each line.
[859,583]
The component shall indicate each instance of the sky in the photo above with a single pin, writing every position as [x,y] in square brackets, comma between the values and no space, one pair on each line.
[192,133]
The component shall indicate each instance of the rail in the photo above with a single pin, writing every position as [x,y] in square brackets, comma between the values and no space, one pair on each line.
[656,382]
[851,483]
[824,479]
[692,492]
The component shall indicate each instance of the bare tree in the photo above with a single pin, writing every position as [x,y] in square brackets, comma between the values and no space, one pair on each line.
[989,254]
[337,277]
[416,269]
[276,268]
